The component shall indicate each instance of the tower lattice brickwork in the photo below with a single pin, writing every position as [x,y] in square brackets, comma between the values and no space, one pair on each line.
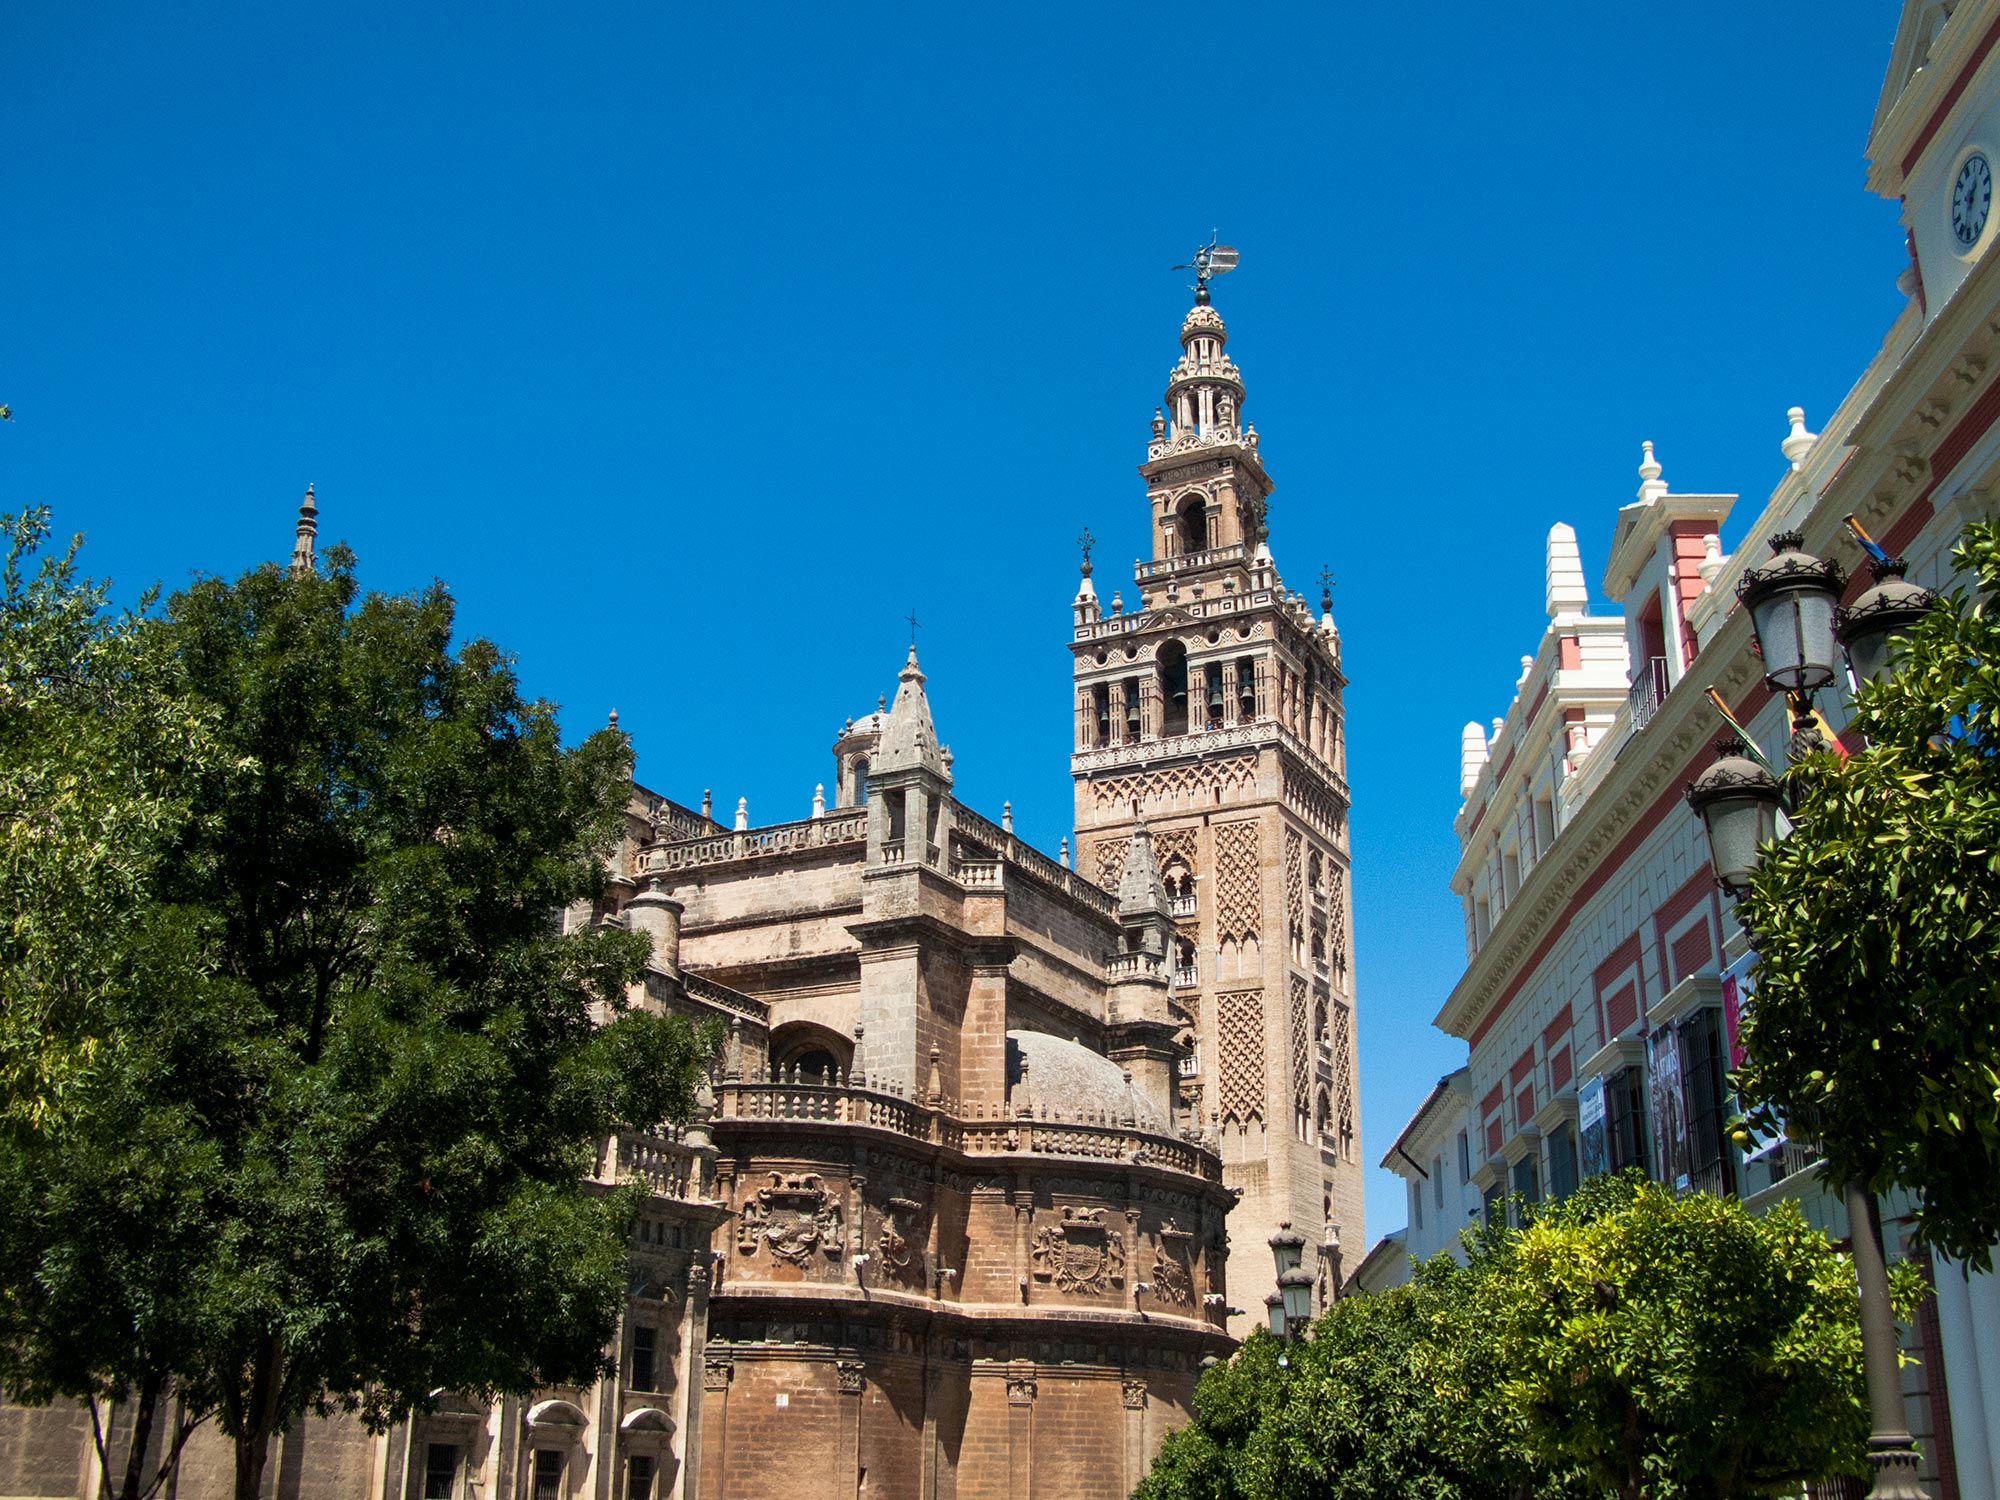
[1212,711]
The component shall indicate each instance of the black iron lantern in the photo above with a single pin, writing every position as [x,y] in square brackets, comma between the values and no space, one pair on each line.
[1274,1309]
[1792,597]
[1295,1287]
[1880,617]
[1288,1248]
[1738,802]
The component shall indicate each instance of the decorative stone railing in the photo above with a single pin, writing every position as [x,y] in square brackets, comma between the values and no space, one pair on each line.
[1131,965]
[979,874]
[845,827]
[892,851]
[1206,742]
[972,1132]
[672,1168]
[1184,906]
[736,1002]
[1187,977]
[1002,845]
[1188,562]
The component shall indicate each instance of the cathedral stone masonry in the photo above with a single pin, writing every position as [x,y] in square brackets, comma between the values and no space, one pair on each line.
[952,1220]
[1210,714]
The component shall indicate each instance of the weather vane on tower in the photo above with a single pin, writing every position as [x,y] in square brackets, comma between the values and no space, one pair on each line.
[1209,260]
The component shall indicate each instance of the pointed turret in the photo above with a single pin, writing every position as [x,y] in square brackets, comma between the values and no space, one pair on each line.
[1143,906]
[909,739]
[303,560]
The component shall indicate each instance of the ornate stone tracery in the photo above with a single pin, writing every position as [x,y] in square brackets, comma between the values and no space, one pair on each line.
[1240,1078]
[1301,1045]
[1238,890]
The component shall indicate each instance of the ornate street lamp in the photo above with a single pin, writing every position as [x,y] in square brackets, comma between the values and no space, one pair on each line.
[1296,1288]
[1885,614]
[1791,597]
[1291,1305]
[1793,600]
[1738,801]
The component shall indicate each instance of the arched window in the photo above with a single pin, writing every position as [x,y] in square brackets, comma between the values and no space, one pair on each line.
[1193,517]
[1319,1022]
[1178,880]
[1173,668]
[857,779]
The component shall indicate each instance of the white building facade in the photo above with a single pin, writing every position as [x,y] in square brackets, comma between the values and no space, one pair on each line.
[1603,965]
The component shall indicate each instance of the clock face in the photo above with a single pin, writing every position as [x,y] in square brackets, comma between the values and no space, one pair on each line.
[1971,197]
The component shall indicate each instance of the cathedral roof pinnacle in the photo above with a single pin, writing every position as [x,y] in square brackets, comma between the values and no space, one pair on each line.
[302,549]
[909,738]
[1141,892]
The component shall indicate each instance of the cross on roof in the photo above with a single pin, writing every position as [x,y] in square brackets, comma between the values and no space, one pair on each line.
[914,626]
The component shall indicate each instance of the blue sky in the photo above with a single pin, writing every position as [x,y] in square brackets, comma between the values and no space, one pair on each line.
[694,347]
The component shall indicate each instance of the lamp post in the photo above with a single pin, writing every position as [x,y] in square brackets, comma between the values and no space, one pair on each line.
[1291,1305]
[1794,603]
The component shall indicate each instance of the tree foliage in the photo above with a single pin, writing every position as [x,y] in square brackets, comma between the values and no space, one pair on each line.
[333,1150]
[1625,1342]
[98,756]
[1874,1030]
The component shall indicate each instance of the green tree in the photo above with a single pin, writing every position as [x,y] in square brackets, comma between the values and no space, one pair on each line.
[1878,932]
[1678,1347]
[98,760]
[1625,1342]
[337,1158]
[1386,1395]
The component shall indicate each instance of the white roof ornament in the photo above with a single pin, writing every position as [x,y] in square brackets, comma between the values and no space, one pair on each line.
[1713,560]
[1798,442]
[742,814]
[1471,757]
[1651,486]
[1566,592]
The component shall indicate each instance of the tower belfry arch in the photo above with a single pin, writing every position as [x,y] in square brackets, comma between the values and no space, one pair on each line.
[1211,715]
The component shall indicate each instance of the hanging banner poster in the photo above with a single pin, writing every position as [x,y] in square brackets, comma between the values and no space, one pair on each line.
[1669,1106]
[1736,990]
[1593,1153]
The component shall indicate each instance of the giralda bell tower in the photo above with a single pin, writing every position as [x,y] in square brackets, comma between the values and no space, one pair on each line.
[1210,708]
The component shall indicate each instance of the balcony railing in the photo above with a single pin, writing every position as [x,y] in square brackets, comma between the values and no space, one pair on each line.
[1183,906]
[1648,691]
[1189,562]
[1048,1132]
[1187,977]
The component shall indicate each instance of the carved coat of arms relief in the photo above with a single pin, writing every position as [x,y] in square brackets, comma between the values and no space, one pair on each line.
[1173,1271]
[1080,1253]
[795,1216]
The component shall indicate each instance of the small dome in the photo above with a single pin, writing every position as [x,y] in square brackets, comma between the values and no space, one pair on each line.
[1069,1077]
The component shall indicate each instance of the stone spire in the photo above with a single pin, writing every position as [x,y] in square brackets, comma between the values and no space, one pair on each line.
[302,549]
[909,739]
[1566,592]
[1141,891]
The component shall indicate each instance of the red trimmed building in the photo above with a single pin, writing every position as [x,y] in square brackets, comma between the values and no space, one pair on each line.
[1602,966]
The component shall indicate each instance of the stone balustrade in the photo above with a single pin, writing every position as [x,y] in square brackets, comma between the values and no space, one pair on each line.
[673,1168]
[844,827]
[1188,562]
[972,1133]
[1002,845]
